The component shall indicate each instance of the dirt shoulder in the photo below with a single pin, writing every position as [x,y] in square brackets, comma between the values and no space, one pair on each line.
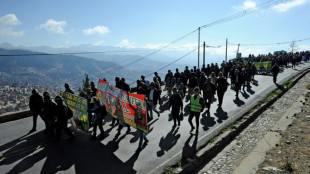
[292,153]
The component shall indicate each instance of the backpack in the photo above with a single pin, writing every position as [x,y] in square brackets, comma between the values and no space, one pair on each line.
[69,112]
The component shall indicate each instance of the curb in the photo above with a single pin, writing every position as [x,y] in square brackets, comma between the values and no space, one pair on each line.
[15,116]
[207,153]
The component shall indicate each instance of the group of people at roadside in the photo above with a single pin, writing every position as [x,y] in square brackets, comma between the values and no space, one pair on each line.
[180,86]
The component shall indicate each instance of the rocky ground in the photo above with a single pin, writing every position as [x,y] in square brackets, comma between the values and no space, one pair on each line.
[292,152]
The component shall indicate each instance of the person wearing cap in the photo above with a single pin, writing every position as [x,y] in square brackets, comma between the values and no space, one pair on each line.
[221,86]
[36,106]
[68,89]
[175,101]
[100,112]
[196,107]
[61,118]
[49,112]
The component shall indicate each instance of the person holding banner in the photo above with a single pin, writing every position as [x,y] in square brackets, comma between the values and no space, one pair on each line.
[99,113]
[68,89]
[118,85]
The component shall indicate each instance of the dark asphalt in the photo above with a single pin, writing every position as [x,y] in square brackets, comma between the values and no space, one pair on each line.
[34,153]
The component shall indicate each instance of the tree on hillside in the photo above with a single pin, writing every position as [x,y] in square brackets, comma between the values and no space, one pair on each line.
[84,87]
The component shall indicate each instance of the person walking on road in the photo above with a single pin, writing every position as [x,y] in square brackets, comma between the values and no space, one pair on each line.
[153,98]
[208,92]
[49,112]
[275,71]
[175,101]
[62,118]
[238,82]
[99,113]
[196,107]
[36,106]
[221,86]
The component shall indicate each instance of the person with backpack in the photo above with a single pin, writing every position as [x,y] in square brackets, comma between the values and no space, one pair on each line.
[63,113]
[36,106]
[99,113]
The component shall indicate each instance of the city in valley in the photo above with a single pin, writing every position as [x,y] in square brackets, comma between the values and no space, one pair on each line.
[15,97]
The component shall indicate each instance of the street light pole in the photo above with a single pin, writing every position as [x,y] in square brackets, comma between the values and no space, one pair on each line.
[198,46]
[226,51]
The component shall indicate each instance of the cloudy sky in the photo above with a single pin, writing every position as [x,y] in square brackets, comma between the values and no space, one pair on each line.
[155,23]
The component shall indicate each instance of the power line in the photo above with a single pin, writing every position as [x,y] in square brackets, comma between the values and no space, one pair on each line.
[169,63]
[55,54]
[279,43]
[161,48]
[243,13]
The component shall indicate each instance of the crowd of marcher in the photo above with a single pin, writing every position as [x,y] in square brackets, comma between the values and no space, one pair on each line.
[186,85]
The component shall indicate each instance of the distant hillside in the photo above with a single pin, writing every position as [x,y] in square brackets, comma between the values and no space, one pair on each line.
[54,69]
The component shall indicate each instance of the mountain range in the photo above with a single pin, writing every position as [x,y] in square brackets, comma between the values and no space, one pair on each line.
[24,66]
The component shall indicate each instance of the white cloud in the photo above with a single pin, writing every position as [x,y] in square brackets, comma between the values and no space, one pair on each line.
[125,43]
[99,43]
[10,32]
[54,26]
[248,4]
[283,7]
[97,30]
[9,19]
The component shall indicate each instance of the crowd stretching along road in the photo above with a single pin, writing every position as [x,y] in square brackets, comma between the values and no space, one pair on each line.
[186,85]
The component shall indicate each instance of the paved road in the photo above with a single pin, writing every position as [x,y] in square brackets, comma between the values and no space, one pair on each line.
[33,153]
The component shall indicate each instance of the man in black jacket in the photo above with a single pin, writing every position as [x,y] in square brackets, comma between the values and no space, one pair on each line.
[221,86]
[275,71]
[208,92]
[175,101]
[49,112]
[62,118]
[36,106]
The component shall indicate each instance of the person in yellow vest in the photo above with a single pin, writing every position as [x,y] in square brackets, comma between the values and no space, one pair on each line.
[196,107]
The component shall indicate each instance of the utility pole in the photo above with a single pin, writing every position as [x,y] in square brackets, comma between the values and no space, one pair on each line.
[198,46]
[204,53]
[226,50]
